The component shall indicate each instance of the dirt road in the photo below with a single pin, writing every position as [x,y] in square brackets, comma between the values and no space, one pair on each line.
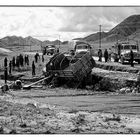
[85,100]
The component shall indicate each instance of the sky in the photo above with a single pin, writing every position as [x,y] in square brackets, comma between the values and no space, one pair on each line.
[64,23]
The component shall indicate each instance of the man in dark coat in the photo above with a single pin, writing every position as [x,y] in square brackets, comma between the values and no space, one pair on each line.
[42,58]
[13,63]
[131,58]
[100,55]
[36,58]
[10,67]
[5,62]
[33,68]
[106,55]
[5,70]
[17,62]
[27,60]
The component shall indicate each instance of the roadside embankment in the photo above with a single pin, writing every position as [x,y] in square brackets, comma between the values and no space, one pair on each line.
[106,80]
[116,67]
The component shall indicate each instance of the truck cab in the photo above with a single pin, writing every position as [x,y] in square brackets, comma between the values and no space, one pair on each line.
[49,49]
[82,48]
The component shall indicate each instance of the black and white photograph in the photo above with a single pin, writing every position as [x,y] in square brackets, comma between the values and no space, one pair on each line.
[69,69]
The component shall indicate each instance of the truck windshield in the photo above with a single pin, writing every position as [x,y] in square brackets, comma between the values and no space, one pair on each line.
[82,47]
[127,47]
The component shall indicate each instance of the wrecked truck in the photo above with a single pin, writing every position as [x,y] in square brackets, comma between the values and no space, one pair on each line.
[66,70]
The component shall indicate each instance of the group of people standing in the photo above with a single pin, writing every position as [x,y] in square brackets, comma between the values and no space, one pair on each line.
[19,61]
[15,62]
[107,55]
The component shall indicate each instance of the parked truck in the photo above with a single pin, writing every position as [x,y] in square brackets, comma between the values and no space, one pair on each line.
[121,52]
[49,49]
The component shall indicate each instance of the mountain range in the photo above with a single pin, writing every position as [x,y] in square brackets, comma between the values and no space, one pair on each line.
[129,28]
[11,41]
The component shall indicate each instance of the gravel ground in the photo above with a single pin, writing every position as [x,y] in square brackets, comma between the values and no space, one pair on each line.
[35,118]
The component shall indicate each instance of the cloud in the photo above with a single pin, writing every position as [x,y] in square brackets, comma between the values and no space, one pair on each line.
[68,22]
[85,19]
[26,21]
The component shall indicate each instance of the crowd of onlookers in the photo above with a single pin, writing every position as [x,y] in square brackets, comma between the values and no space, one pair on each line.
[18,62]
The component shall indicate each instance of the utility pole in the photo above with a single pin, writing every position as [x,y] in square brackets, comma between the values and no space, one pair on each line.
[100,36]
[59,41]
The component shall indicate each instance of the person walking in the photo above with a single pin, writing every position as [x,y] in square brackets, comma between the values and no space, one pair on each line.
[131,58]
[106,55]
[100,55]
[33,68]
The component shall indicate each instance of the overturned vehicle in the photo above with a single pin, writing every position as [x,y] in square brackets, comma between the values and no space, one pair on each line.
[73,71]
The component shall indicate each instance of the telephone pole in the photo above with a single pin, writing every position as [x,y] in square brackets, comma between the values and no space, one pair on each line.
[100,36]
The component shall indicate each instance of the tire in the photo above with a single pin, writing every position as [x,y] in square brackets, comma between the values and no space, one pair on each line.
[138,61]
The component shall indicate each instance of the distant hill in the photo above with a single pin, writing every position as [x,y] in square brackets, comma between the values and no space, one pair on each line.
[20,41]
[95,36]
[32,41]
[128,28]
[55,42]
[14,42]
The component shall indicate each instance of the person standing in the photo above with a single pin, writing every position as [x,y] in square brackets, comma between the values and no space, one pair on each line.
[13,63]
[131,58]
[106,55]
[36,58]
[5,62]
[10,67]
[5,70]
[33,68]
[42,58]
[17,62]
[100,55]
[28,60]
[109,54]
